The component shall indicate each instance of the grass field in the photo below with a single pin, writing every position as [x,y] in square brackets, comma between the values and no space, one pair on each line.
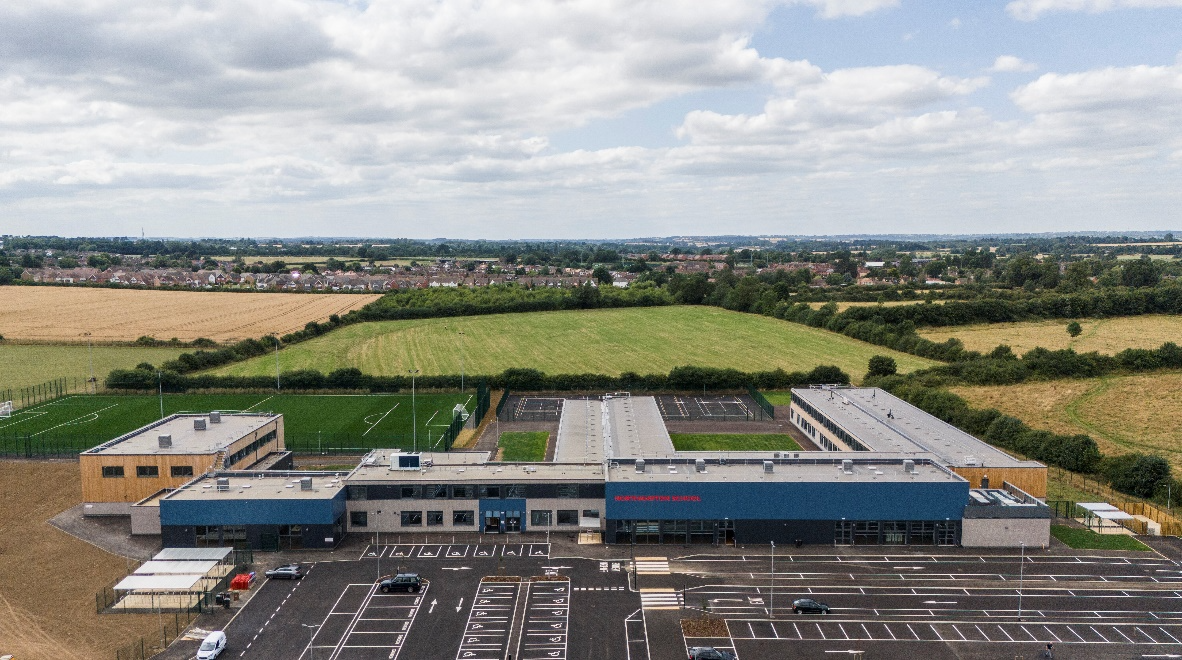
[1124,413]
[778,398]
[523,445]
[1085,539]
[611,341]
[49,579]
[842,306]
[26,365]
[733,442]
[1108,336]
[311,423]
[63,314]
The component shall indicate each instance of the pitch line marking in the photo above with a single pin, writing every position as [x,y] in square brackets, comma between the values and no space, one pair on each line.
[375,424]
[75,420]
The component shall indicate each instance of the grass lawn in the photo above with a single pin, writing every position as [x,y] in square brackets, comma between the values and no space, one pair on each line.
[733,442]
[1108,336]
[1083,539]
[523,445]
[311,422]
[608,341]
[778,398]
[25,365]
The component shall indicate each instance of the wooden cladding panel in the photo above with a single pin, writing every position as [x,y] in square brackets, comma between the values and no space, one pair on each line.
[1033,480]
[129,487]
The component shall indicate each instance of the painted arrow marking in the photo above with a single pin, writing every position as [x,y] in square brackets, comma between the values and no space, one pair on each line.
[461,605]
[433,604]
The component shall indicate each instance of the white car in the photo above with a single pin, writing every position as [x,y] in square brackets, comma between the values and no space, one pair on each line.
[212,646]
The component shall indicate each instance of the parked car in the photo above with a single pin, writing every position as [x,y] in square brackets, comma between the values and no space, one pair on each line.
[288,572]
[410,582]
[709,653]
[809,606]
[212,646]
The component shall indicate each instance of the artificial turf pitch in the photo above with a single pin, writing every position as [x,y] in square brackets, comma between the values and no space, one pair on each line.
[311,422]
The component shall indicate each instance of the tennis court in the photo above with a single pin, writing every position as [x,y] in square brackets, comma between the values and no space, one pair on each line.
[676,407]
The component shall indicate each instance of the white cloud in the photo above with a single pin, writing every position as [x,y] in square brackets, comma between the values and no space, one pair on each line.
[954,24]
[839,8]
[1011,64]
[1029,10]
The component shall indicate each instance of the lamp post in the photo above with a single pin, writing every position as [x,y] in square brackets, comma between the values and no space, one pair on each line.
[1021,571]
[311,636]
[160,391]
[772,600]
[414,416]
[90,352]
[276,362]
[461,361]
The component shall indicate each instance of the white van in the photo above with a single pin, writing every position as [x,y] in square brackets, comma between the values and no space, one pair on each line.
[212,646]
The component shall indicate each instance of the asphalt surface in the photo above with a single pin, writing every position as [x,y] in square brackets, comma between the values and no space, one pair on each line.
[534,601]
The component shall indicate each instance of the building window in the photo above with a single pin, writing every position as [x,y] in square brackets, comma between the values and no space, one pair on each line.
[412,518]
[568,490]
[434,518]
[540,518]
[359,518]
[147,471]
[435,492]
[489,492]
[462,492]
[182,470]
[463,518]
[113,471]
[358,493]
[411,492]
[568,517]
[516,490]
[591,513]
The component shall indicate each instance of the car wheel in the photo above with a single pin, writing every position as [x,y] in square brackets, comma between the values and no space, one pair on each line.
[825,611]
[385,590]
[796,610]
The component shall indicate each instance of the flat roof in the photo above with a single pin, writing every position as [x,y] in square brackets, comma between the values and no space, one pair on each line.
[885,470]
[181,554]
[186,439]
[177,567]
[489,473]
[383,457]
[185,582]
[885,423]
[581,430]
[635,428]
[246,485]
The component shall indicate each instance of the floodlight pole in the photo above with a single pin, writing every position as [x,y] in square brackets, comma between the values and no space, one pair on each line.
[160,391]
[1021,567]
[461,361]
[90,351]
[276,362]
[414,415]
[772,600]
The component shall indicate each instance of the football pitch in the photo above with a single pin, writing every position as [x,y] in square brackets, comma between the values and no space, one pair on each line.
[327,423]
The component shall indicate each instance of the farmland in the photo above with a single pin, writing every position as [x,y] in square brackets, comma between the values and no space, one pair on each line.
[1124,414]
[63,314]
[609,341]
[22,365]
[1108,336]
[311,423]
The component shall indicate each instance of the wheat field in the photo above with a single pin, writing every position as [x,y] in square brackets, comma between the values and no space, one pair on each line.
[64,314]
[1108,336]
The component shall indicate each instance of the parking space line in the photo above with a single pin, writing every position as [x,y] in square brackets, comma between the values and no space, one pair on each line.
[1167,633]
[1122,634]
[1138,629]
[1093,628]
[1051,633]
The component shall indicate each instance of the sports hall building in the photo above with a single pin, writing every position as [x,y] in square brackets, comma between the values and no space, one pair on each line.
[885,473]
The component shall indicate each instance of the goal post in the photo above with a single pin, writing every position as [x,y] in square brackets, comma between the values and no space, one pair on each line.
[5,409]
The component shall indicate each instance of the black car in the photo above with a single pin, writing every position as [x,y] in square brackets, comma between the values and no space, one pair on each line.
[288,572]
[809,606]
[402,582]
[709,653]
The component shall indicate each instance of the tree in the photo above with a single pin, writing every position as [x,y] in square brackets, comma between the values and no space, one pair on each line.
[1139,273]
[881,365]
[602,275]
[1074,329]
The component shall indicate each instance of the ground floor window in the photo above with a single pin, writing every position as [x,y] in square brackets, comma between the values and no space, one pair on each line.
[412,518]
[463,518]
[434,518]
[568,517]
[540,518]
[359,518]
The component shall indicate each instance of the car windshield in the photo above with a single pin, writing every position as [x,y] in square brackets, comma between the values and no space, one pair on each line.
[208,645]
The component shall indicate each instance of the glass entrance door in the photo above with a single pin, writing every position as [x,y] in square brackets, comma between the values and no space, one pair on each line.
[512,521]
[493,522]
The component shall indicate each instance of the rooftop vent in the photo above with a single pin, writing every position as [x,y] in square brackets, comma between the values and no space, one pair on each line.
[306,483]
[640,465]
[847,466]
[971,460]
[700,464]
[215,418]
[199,424]
[768,467]
[223,483]
[165,441]
[909,466]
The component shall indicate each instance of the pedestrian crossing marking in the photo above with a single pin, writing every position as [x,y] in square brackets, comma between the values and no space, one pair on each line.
[652,565]
[660,599]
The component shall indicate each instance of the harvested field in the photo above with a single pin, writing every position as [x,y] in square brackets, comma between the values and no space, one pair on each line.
[1124,414]
[63,314]
[1108,336]
[22,365]
[44,615]
[842,306]
[609,341]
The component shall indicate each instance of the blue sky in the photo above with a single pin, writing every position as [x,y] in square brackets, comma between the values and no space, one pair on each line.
[588,119]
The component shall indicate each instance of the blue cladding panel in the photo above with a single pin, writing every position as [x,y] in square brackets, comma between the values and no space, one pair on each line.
[214,511]
[787,501]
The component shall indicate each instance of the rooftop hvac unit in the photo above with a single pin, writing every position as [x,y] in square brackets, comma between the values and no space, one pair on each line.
[199,424]
[700,464]
[306,483]
[640,465]
[223,483]
[215,418]
[165,441]
[776,455]
[768,467]
[847,466]
[909,466]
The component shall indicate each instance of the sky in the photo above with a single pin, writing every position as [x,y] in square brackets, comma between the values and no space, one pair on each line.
[588,118]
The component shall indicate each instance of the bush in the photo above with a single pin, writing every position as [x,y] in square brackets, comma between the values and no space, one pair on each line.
[1074,329]
[881,365]
[1136,474]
